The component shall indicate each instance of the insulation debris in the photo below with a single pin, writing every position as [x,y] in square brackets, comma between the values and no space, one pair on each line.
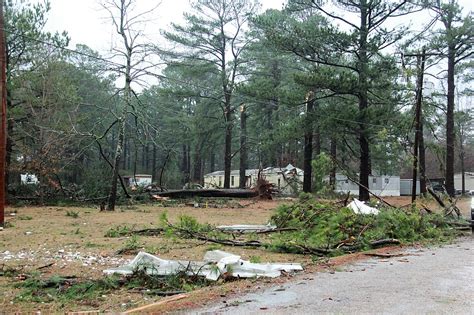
[215,264]
[361,208]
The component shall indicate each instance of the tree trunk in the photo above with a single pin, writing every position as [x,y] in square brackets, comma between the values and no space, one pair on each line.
[123,117]
[450,136]
[3,135]
[212,162]
[461,157]
[197,171]
[308,143]
[422,158]
[364,168]
[243,147]
[115,171]
[184,164]
[124,158]
[228,141]
[317,134]
[153,165]
[332,175]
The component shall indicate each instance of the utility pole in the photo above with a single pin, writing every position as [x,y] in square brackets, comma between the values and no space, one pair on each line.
[418,135]
[3,127]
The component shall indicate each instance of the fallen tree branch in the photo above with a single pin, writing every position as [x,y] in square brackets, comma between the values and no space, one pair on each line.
[387,255]
[448,210]
[147,232]
[383,242]
[277,230]
[150,307]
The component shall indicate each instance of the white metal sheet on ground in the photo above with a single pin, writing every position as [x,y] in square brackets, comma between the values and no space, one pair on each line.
[215,264]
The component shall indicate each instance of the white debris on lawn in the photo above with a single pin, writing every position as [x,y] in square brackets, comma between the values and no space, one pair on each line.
[215,264]
[359,207]
[243,228]
[61,257]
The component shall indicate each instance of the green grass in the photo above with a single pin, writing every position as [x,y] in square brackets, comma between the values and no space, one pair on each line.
[118,231]
[72,214]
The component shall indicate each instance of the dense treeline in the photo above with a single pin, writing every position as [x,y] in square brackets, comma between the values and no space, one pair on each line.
[334,77]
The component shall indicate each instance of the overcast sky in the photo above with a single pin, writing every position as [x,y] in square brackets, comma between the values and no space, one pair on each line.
[88,24]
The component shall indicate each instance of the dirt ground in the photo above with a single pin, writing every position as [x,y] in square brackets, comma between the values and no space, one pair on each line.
[70,241]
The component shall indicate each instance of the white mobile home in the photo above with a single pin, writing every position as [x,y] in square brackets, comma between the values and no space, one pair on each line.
[406,185]
[383,185]
[468,178]
[138,180]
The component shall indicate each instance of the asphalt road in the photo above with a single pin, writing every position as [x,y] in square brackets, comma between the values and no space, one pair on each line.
[438,280]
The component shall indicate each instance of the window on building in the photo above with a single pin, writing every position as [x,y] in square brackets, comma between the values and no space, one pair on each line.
[279,181]
[232,180]
[374,180]
[220,181]
[387,180]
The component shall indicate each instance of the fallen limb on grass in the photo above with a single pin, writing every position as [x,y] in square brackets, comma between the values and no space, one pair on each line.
[385,255]
[149,307]
[215,264]
[257,229]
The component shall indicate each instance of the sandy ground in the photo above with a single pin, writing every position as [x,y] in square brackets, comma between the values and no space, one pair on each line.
[422,281]
[48,236]
[40,236]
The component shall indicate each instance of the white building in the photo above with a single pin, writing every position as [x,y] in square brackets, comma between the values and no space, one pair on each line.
[138,180]
[289,180]
[468,178]
[383,185]
[29,179]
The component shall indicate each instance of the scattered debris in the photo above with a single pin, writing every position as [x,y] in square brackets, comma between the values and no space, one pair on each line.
[216,264]
[159,198]
[361,208]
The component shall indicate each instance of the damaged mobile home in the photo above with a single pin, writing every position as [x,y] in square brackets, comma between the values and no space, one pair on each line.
[288,180]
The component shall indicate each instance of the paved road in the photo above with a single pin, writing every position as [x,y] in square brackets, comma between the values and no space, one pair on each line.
[425,281]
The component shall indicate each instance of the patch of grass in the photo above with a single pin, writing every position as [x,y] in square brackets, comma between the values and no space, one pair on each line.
[255,259]
[93,245]
[25,217]
[64,290]
[214,247]
[72,214]
[9,271]
[131,246]
[183,280]
[118,231]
